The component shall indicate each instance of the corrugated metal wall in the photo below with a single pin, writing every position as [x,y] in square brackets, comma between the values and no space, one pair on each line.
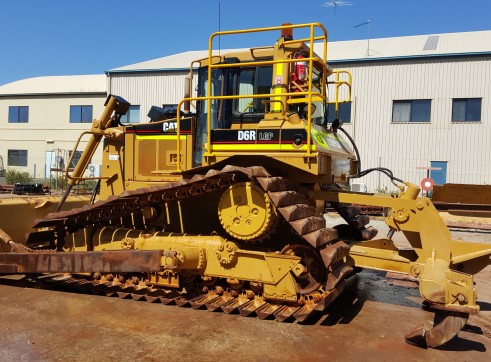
[401,147]
[404,146]
[148,89]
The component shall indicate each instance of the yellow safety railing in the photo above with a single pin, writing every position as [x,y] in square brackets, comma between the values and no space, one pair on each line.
[309,94]
[339,82]
[70,161]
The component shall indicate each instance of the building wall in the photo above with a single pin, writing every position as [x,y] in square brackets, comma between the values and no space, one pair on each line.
[48,128]
[148,89]
[402,147]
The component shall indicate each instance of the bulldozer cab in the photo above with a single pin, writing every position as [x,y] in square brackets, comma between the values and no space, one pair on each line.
[265,105]
[248,98]
[248,81]
[227,113]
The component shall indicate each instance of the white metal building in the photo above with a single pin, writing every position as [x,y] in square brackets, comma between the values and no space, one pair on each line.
[422,101]
[417,101]
[41,118]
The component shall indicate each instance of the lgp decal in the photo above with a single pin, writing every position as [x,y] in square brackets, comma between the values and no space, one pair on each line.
[265,136]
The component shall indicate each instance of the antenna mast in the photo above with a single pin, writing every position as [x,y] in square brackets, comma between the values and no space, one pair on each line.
[334,4]
[368,22]
[219,27]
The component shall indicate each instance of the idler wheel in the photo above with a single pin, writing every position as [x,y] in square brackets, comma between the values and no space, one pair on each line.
[315,271]
[246,212]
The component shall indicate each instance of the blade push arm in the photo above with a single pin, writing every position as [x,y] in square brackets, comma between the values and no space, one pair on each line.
[114,104]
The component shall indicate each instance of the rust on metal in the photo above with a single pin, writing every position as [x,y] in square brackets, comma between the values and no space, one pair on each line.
[286,198]
[335,252]
[359,221]
[295,212]
[468,225]
[462,194]
[368,233]
[292,204]
[356,222]
[429,335]
[113,207]
[321,237]
[4,237]
[337,275]
[350,211]
[317,287]
[120,261]
[463,209]
[463,199]
[274,184]
[170,259]
[308,224]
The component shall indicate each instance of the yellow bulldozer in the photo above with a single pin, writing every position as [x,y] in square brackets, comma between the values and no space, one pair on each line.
[221,204]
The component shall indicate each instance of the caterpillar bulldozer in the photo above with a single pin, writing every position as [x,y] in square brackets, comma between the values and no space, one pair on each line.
[220,205]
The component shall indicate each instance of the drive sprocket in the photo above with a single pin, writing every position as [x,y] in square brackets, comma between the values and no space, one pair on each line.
[246,212]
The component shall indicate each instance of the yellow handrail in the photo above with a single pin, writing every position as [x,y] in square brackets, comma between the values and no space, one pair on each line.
[338,84]
[308,93]
[70,160]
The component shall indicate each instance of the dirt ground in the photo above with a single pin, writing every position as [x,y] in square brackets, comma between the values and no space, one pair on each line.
[367,322]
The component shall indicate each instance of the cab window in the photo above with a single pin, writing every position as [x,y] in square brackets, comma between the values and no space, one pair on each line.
[254,80]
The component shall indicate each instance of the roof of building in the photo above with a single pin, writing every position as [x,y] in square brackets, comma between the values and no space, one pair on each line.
[66,84]
[171,62]
[417,46]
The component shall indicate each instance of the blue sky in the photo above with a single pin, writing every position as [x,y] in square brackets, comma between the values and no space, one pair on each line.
[64,37]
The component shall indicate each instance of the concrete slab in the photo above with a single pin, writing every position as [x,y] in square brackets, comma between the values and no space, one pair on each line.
[367,322]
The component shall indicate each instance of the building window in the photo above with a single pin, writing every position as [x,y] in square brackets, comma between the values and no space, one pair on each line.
[18,114]
[417,110]
[132,116]
[344,112]
[75,158]
[80,114]
[466,110]
[17,158]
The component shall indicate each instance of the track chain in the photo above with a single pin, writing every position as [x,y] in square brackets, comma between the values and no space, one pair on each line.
[104,211]
[286,196]
[244,302]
